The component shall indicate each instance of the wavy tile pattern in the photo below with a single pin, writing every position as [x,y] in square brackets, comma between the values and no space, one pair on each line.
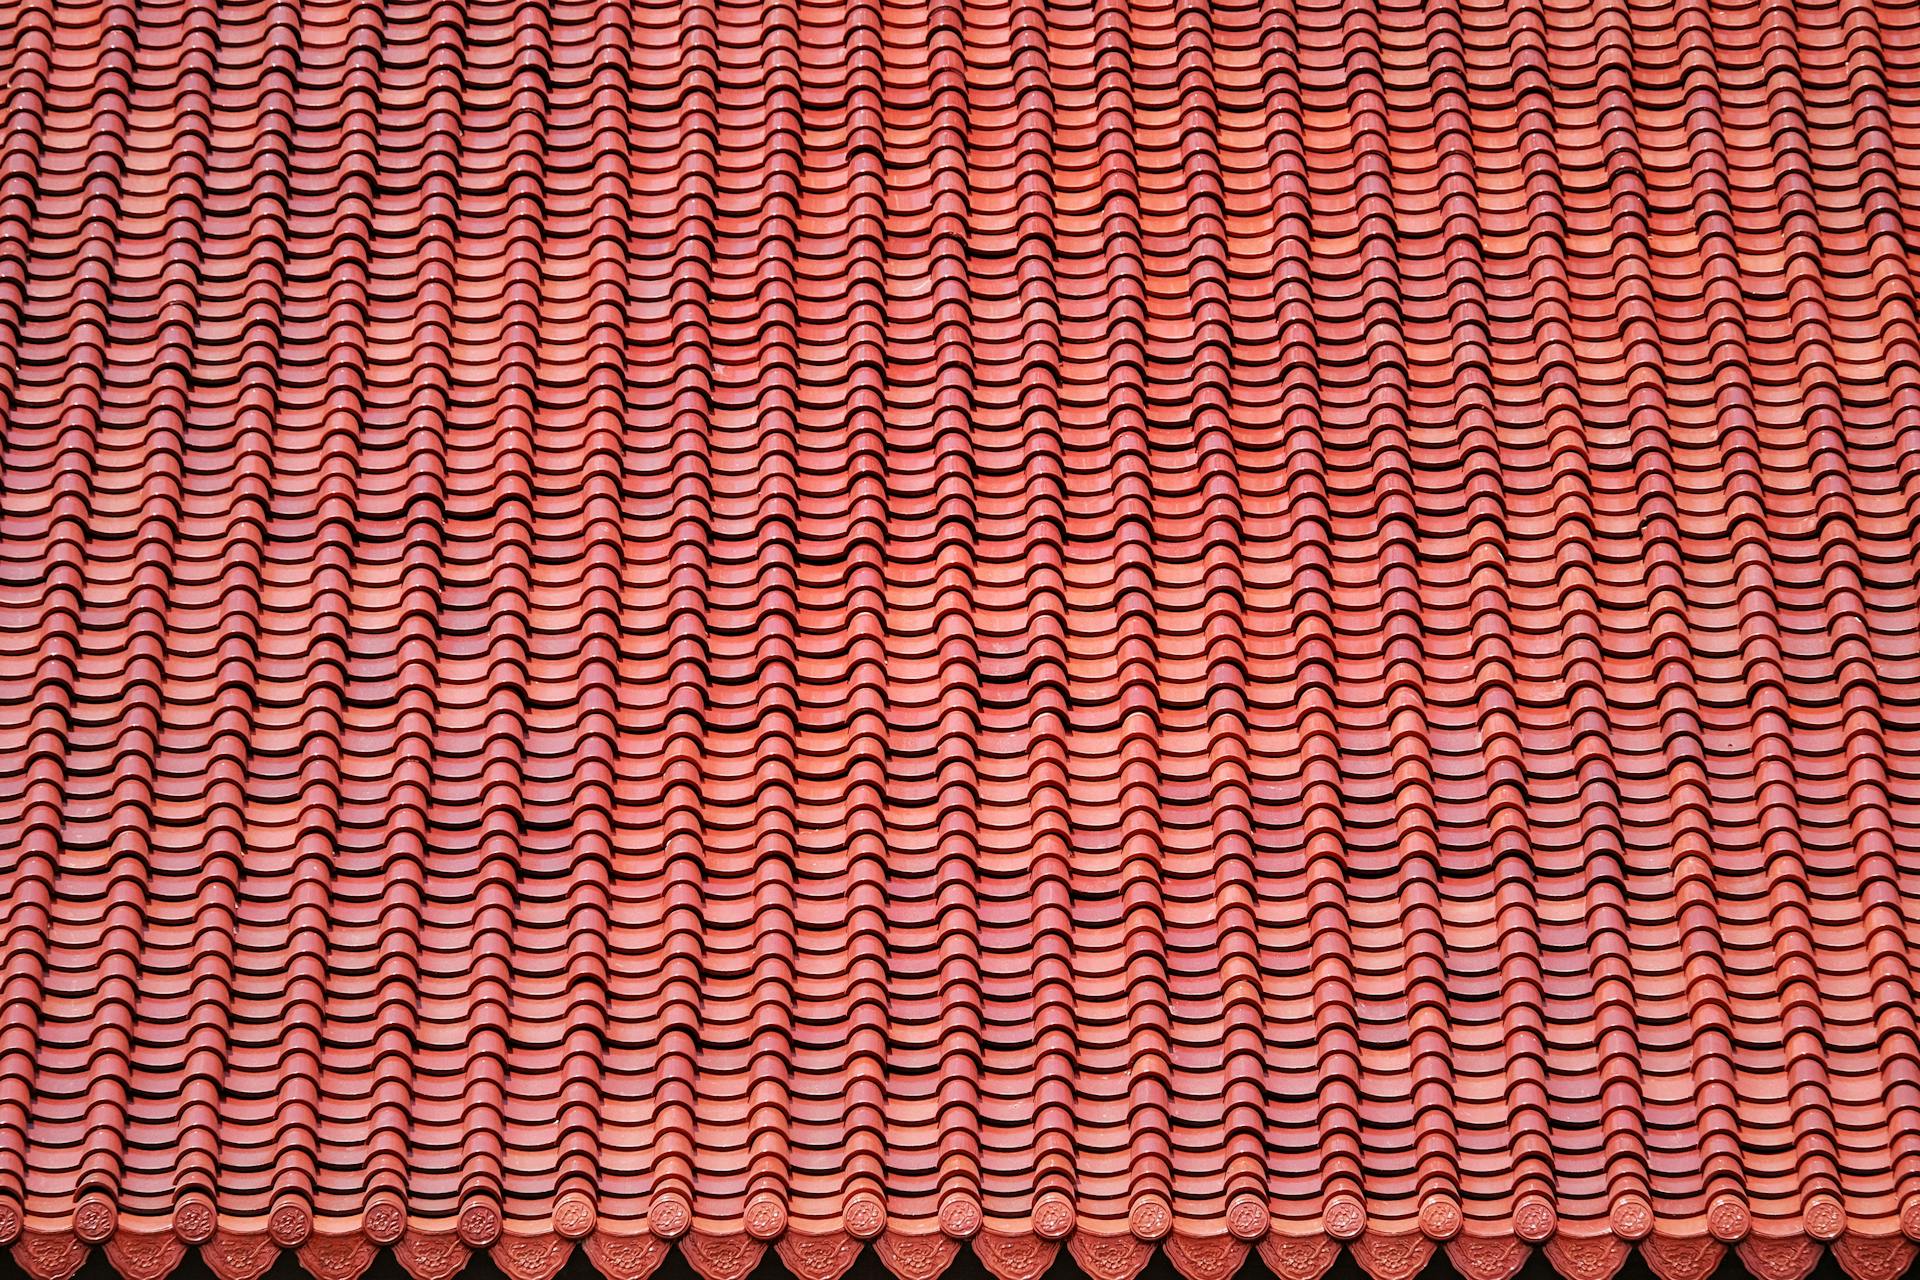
[1108,621]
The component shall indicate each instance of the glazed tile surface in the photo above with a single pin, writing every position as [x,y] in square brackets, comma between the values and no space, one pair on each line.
[1107,625]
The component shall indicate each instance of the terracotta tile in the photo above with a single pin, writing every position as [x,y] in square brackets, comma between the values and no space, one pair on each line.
[1115,622]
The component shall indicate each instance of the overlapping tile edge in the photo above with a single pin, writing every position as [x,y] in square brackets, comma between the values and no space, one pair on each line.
[921,1254]
[530,324]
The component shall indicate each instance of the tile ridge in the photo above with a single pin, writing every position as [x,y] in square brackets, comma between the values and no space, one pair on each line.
[57,667]
[1670,655]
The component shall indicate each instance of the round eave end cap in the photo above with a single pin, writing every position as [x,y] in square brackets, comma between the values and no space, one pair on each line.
[766,1217]
[384,1220]
[1053,1216]
[95,1217]
[1344,1217]
[290,1223]
[1535,1219]
[1910,1218]
[194,1218]
[864,1216]
[1631,1217]
[479,1224]
[1728,1220]
[574,1216]
[1824,1218]
[960,1217]
[1440,1218]
[1150,1219]
[669,1217]
[1248,1219]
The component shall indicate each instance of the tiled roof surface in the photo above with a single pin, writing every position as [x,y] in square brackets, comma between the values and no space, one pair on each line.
[1067,624]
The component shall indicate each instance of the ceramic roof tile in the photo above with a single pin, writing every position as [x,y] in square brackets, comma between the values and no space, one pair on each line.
[1211,625]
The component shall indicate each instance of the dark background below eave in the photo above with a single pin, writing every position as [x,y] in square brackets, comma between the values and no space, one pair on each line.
[869,1267]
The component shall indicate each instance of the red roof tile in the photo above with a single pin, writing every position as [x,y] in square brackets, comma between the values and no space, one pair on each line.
[1074,623]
